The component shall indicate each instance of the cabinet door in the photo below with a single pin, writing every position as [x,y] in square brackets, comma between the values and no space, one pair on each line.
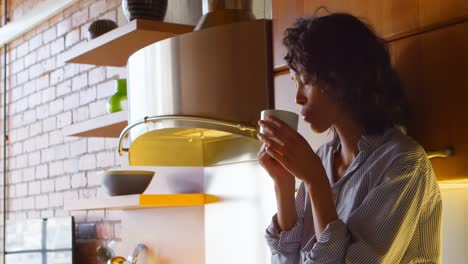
[387,17]
[434,69]
[284,12]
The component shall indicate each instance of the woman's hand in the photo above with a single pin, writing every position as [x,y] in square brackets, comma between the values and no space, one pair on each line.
[283,179]
[292,152]
[284,190]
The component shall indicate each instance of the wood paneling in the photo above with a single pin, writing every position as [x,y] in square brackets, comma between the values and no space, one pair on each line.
[284,12]
[433,11]
[434,69]
[388,17]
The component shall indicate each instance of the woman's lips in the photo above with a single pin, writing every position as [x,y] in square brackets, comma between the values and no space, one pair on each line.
[305,116]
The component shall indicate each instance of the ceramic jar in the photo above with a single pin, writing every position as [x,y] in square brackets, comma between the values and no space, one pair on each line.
[99,27]
[146,9]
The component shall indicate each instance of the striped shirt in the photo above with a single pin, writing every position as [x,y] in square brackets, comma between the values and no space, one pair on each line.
[388,204]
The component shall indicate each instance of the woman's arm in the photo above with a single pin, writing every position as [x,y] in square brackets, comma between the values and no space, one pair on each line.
[285,202]
[295,155]
[284,235]
[284,189]
[285,245]
[323,207]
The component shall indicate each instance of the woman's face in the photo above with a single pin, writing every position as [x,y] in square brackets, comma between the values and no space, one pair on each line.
[318,108]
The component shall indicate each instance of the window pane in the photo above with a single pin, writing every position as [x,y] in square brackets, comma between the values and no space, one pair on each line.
[24,258]
[63,257]
[59,233]
[24,235]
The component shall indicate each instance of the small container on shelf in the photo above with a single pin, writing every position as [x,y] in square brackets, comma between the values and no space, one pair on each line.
[117,102]
[147,9]
[99,27]
[122,182]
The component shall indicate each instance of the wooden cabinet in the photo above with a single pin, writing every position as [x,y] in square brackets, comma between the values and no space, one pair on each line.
[283,12]
[389,18]
[427,40]
[434,69]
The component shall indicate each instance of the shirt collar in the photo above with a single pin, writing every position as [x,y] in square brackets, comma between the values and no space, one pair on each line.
[367,143]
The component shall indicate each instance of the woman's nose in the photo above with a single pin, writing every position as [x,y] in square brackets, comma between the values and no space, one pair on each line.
[300,98]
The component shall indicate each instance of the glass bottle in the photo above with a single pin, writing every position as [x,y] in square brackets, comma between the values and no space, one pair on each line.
[115,101]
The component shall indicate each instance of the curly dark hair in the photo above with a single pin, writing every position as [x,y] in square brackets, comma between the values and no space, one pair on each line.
[343,53]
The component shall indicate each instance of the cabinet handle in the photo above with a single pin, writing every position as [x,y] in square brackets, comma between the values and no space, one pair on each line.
[444,153]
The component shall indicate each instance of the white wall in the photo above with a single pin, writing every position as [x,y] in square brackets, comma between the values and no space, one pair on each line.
[455,226]
[234,227]
[174,234]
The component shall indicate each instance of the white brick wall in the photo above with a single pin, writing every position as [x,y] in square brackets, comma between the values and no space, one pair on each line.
[46,95]
[78,180]
[47,186]
[96,144]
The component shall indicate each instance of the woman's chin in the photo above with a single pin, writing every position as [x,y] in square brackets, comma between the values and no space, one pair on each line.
[317,129]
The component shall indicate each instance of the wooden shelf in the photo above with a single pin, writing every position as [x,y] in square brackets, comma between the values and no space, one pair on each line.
[114,47]
[141,201]
[104,126]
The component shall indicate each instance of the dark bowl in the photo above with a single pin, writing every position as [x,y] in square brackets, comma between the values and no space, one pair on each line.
[124,182]
[147,9]
[99,27]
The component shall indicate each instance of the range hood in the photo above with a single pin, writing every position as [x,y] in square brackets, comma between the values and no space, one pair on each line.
[195,99]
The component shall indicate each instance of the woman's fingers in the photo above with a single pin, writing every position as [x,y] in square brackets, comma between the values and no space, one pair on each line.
[268,127]
[275,154]
[283,126]
[273,131]
[272,148]
[270,142]
[278,122]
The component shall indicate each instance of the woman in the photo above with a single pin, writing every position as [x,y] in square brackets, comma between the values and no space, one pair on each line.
[368,196]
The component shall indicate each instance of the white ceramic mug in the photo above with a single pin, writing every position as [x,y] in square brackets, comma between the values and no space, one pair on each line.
[290,118]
